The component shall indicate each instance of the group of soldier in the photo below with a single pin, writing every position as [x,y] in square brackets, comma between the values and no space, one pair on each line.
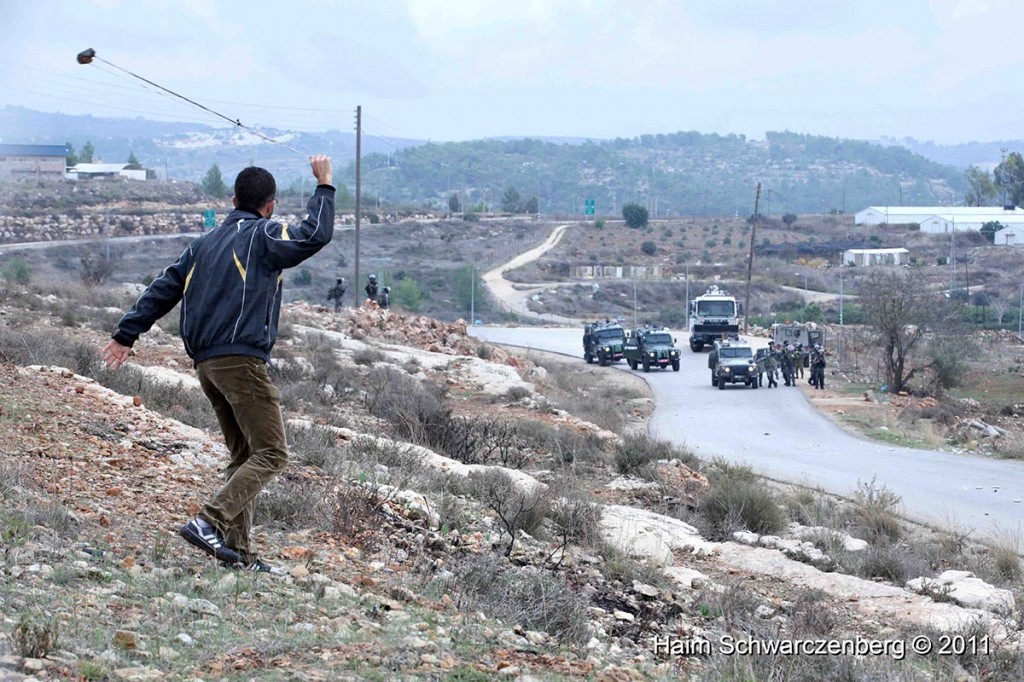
[382,296]
[789,360]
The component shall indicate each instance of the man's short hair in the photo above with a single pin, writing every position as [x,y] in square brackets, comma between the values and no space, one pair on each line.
[254,187]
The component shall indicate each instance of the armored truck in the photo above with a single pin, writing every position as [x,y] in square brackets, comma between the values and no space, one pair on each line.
[646,347]
[602,341]
[733,362]
[793,334]
[712,316]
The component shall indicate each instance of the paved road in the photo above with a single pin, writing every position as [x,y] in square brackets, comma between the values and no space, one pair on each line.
[780,435]
[33,246]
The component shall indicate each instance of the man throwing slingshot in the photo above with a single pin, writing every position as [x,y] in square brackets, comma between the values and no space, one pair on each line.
[229,284]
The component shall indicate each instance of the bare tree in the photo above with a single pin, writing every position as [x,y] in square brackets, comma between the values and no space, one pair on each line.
[903,310]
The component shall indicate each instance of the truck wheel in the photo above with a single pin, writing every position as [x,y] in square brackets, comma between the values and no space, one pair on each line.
[647,365]
[754,383]
[589,358]
[631,363]
[602,360]
[675,365]
[721,385]
[696,346]
[714,379]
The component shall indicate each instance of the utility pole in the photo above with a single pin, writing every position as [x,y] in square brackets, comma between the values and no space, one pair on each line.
[687,313]
[750,259]
[1020,311]
[359,191]
[472,296]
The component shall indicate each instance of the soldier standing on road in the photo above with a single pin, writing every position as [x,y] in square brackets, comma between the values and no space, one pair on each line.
[337,292]
[371,287]
[771,365]
[385,298]
[800,360]
[786,360]
[818,368]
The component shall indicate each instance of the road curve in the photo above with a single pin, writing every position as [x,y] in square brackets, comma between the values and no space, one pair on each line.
[779,434]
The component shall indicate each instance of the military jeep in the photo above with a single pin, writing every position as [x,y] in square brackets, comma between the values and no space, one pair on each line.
[647,347]
[603,341]
[733,362]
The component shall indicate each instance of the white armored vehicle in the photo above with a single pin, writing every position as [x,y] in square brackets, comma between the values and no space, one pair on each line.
[712,316]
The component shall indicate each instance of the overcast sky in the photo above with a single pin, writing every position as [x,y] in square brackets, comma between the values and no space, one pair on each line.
[943,70]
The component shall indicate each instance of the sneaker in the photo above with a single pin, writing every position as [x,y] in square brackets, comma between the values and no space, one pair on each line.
[208,539]
[255,565]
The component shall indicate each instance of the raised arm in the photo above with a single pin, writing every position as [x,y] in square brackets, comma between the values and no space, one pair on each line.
[286,247]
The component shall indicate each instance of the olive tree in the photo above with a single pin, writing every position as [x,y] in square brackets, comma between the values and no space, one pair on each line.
[905,315]
[635,215]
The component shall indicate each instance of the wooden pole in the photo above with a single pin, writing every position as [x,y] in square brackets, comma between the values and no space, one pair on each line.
[750,258]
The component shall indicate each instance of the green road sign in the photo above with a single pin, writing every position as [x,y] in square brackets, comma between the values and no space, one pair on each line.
[209,218]
[588,207]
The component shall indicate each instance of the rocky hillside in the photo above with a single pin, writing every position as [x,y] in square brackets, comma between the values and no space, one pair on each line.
[452,511]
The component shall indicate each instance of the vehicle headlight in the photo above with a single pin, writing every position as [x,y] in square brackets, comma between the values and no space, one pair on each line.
[606,349]
[726,370]
[672,352]
[651,353]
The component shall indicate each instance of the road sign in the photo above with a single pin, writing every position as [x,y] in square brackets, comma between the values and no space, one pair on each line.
[588,207]
[209,218]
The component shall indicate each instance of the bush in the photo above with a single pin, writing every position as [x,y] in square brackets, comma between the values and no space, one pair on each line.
[649,248]
[637,455]
[738,499]
[302,278]
[516,507]
[17,271]
[874,509]
[34,636]
[532,598]
[635,215]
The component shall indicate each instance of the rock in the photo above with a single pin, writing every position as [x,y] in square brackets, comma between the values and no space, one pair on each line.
[645,589]
[746,537]
[184,639]
[299,571]
[764,611]
[203,606]
[31,666]
[137,674]
[126,639]
[967,590]
[623,615]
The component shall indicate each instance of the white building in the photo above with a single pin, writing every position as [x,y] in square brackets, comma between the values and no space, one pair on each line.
[868,257]
[104,170]
[939,219]
[1010,236]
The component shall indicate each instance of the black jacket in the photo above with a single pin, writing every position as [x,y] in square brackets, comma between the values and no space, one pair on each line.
[229,282]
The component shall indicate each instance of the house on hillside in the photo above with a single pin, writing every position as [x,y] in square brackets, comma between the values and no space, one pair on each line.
[1010,236]
[32,161]
[940,219]
[85,171]
[868,257]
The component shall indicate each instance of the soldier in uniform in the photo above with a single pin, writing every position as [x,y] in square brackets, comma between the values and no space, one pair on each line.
[818,367]
[336,293]
[371,287]
[771,366]
[385,298]
[799,364]
[786,362]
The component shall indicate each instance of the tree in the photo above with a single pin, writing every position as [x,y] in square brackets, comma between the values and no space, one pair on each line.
[454,205]
[903,311]
[71,158]
[1009,178]
[990,228]
[213,183]
[531,205]
[511,202]
[17,271]
[789,219]
[407,294]
[468,288]
[649,248]
[87,152]
[635,215]
[980,188]
[133,162]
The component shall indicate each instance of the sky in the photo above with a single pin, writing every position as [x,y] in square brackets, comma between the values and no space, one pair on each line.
[949,71]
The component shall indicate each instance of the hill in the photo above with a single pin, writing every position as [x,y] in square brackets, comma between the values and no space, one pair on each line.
[452,512]
[683,173]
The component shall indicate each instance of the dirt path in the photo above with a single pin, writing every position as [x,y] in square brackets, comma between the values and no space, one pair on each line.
[514,296]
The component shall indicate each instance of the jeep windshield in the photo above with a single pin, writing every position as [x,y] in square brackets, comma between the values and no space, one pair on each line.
[610,335]
[660,339]
[716,308]
[735,354]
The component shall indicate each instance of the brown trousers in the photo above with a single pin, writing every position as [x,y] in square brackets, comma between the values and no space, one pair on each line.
[248,408]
